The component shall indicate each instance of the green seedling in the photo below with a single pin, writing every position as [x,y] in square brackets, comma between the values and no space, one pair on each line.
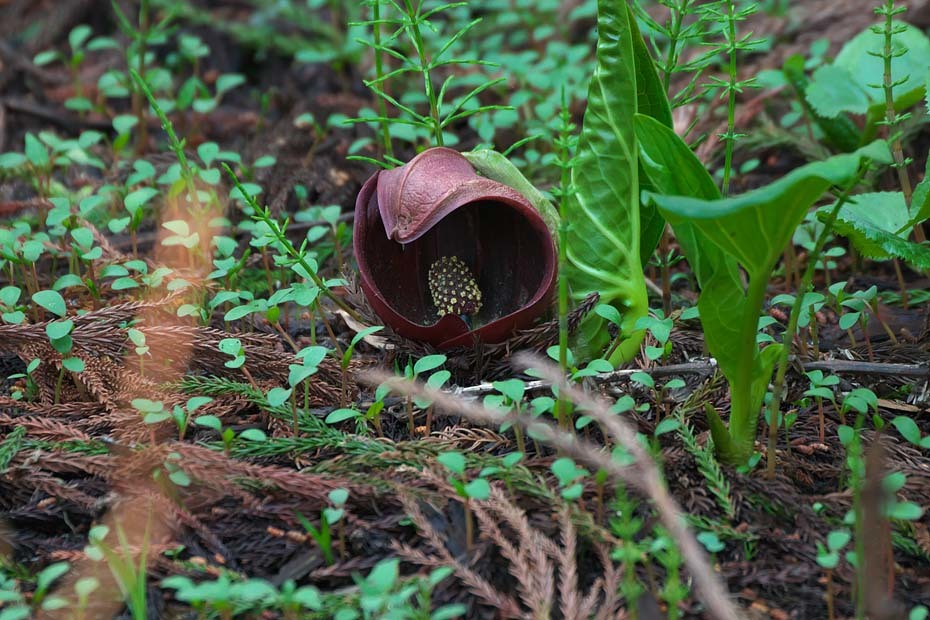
[821,387]
[476,489]
[127,563]
[181,416]
[331,516]
[509,399]
[228,435]
[80,42]
[347,357]
[661,328]
[310,359]
[414,371]
[570,477]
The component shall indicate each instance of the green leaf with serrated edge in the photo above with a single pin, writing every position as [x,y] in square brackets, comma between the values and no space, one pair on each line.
[861,55]
[603,241]
[920,200]
[878,225]
[834,90]
[910,48]
[496,167]
[752,229]
[840,132]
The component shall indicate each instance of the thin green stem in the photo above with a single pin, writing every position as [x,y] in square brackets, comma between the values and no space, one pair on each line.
[138,108]
[425,67]
[379,75]
[177,145]
[730,136]
[263,215]
[562,405]
[891,118]
[803,287]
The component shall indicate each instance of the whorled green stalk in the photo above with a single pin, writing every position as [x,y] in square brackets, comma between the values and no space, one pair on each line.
[730,136]
[429,89]
[379,75]
[888,11]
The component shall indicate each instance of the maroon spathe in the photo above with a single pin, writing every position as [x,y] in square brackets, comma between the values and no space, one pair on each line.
[437,205]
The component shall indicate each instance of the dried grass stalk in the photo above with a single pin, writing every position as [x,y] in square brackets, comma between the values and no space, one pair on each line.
[642,473]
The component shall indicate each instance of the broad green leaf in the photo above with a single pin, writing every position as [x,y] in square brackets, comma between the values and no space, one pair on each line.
[840,131]
[834,90]
[123,283]
[753,230]
[755,227]
[428,363]
[59,329]
[74,364]
[278,396]
[9,295]
[910,48]
[908,429]
[862,57]
[139,197]
[511,388]
[78,36]
[838,539]
[905,511]
[603,241]
[340,415]
[253,434]
[36,152]
[209,421]
[50,574]
[498,168]
[878,224]
[675,170]
[652,101]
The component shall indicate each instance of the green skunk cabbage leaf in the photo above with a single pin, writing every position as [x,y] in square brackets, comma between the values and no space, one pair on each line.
[671,165]
[603,241]
[752,229]
[755,227]
[879,224]
[675,171]
[498,168]
[651,100]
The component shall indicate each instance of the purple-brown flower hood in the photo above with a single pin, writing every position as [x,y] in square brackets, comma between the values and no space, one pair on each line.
[437,205]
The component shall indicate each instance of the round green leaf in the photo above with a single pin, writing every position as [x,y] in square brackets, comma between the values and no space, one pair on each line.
[51,301]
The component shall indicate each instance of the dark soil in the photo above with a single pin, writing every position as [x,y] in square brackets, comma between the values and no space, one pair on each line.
[90,459]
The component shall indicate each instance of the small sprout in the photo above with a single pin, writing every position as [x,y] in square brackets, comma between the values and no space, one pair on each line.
[453,287]
[711,542]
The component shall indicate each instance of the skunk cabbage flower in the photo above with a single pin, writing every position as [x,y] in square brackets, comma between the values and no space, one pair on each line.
[448,257]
